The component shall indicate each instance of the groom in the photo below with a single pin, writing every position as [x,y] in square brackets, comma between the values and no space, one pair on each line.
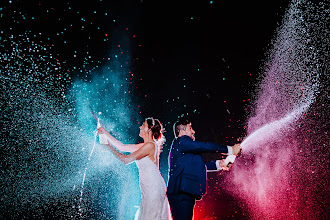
[187,175]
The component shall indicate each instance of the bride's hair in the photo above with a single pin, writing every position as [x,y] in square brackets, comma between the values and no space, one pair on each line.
[157,130]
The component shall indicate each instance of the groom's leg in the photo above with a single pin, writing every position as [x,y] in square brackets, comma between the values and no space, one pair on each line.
[182,206]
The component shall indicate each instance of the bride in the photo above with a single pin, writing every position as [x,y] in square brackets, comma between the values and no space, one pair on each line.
[154,203]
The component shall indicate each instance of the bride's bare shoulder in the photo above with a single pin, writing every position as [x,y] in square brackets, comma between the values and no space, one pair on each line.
[148,144]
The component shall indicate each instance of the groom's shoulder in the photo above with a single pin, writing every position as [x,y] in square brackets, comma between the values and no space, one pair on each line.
[184,138]
[175,141]
[178,140]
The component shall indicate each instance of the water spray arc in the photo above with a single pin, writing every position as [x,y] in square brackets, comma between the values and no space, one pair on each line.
[80,206]
[272,176]
[102,140]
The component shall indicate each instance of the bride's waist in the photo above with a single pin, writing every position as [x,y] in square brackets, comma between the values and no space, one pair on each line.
[152,184]
[151,177]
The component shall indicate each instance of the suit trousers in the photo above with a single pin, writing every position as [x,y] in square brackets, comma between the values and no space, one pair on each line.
[182,205]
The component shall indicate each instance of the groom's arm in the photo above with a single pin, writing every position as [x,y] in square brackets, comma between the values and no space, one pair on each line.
[211,166]
[214,166]
[187,145]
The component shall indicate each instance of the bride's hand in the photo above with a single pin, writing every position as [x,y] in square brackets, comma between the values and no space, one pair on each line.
[101,130]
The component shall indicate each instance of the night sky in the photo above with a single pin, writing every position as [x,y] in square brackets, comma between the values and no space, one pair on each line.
[201,60]
[204,55]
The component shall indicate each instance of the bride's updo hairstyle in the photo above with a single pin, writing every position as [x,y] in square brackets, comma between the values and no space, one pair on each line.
[157,130]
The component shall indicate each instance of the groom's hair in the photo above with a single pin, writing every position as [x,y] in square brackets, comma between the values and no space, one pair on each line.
[179,125]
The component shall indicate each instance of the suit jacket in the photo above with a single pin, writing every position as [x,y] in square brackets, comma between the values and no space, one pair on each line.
[187,169]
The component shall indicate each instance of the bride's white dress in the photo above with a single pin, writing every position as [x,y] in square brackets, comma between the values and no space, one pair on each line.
[154,204]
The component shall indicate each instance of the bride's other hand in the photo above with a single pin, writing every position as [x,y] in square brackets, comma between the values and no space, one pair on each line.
[101,130]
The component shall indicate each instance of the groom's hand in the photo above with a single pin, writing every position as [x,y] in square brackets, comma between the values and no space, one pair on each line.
[237,149]
[223,165]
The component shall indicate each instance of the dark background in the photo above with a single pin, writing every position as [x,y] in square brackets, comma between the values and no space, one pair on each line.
[204,55]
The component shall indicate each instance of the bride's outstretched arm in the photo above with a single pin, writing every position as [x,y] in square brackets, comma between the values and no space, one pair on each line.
[120,146]
[143,151]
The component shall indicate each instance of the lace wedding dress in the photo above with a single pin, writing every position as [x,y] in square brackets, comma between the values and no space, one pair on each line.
[154,204]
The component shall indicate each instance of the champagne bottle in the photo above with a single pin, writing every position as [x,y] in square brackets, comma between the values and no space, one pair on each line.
[230,160]
[102,137]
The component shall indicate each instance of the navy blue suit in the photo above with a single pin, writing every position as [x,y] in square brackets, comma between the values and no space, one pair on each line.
[187,174]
